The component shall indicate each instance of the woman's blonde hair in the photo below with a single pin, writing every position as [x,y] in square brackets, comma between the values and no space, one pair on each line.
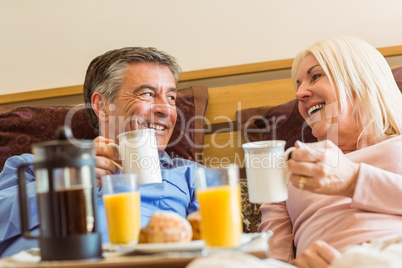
[359,73]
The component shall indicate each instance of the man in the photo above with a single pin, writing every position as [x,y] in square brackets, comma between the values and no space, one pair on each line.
[128,88]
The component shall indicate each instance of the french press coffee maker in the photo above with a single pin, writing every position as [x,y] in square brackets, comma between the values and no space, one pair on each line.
[66,198]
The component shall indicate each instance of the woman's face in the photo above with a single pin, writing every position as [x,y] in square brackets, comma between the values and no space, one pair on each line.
[318,105]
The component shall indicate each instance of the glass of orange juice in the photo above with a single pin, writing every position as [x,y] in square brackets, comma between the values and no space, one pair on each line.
[122,204]
[218,193]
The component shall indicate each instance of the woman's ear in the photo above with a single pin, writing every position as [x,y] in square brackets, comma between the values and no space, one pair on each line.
[98,102]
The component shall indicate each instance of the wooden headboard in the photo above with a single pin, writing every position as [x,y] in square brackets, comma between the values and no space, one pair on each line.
[222,129]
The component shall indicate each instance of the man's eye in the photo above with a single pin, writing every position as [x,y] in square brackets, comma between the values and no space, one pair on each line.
[172,100]
[147,94]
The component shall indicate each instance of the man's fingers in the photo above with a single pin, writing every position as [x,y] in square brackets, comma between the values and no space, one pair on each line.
[101,139]
[104,149]
[107,164]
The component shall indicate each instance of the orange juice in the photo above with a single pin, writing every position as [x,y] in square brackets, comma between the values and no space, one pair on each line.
[123,217]
[220,216]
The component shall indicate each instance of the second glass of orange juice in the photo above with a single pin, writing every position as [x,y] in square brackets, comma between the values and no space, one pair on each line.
[122,205]
[218,193]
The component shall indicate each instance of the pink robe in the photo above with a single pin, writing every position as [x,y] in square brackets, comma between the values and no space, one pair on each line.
[374,211]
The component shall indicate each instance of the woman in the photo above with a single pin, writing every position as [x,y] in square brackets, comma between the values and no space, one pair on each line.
[345,189]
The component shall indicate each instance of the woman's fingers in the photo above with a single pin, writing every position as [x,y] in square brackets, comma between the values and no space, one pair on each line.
[313,152]
[317,255]
[321,167]
[327,252]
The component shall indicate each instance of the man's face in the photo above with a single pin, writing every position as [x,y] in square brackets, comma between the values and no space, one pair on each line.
[147,99]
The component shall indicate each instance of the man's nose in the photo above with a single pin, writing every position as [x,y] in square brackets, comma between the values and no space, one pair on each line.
[162,106]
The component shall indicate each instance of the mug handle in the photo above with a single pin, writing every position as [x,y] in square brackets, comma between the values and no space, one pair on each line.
[286,157]
[114,145]
[288,152]
[22,193]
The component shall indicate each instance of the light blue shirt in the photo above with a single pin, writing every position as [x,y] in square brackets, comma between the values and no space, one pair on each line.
[175,193]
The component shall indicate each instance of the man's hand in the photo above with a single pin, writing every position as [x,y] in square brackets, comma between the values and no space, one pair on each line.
[317,255]
[105,155]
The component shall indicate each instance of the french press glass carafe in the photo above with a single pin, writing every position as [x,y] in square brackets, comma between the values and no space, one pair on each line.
[66,198]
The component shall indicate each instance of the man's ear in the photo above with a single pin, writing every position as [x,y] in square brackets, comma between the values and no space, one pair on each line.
[98,102]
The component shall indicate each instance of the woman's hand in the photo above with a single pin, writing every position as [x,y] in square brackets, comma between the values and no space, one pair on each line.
[105,155]
[326,170]
[317,255]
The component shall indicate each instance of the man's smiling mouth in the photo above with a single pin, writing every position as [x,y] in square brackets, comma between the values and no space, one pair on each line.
[315,109]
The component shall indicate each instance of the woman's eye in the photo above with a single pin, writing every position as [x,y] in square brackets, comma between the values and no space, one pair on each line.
[315,76]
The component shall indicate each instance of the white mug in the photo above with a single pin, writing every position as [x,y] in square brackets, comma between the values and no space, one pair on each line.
[265,169]
[139,153]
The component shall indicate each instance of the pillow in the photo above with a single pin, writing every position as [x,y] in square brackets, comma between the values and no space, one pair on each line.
[22,126]
[188,136]
[397,72]
[282,122]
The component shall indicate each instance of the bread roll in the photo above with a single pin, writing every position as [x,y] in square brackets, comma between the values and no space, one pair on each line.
[165,227]
[195,221]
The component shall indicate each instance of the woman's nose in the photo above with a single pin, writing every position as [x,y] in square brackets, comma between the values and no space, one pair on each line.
[303,93]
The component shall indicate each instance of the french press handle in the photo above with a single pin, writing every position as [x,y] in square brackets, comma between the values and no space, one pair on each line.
[24,218]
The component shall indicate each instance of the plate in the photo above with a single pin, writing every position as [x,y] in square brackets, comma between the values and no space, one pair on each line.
[195,245]
[165,247]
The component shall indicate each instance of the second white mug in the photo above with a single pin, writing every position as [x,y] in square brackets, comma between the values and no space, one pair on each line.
[265,169]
